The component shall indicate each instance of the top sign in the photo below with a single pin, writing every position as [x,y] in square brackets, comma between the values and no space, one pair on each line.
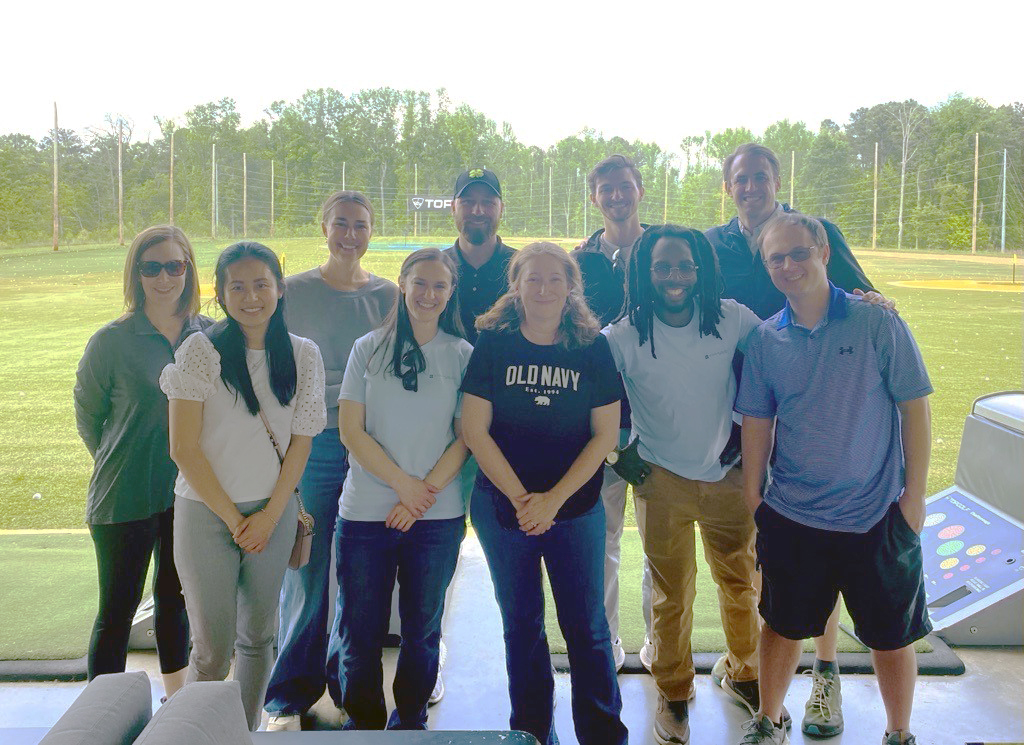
[430,204]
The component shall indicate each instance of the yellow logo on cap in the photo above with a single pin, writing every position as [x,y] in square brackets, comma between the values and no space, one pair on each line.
[476,173]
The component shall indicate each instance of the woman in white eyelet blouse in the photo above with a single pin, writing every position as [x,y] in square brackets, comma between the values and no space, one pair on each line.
[235,511]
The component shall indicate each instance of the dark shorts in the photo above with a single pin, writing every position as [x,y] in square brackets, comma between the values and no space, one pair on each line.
[879,572]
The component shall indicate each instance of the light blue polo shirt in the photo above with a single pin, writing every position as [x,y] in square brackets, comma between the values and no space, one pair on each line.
[413,427]
[834,391]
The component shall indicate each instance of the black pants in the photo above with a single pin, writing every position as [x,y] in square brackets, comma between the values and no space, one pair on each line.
[122,558]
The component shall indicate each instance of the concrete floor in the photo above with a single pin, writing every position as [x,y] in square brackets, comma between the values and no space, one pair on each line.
[984,705]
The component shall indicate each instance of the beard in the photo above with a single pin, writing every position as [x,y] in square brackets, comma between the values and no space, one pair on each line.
[477,232]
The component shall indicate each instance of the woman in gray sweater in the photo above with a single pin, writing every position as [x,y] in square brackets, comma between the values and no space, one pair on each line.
[333,304]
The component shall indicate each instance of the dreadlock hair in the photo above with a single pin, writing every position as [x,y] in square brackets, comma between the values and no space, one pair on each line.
[229,340]
[406,357]
[640,289]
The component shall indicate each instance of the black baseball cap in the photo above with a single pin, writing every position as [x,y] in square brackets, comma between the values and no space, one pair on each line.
[476,176]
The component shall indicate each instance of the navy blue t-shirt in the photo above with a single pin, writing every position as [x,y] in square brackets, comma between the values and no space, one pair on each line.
[541,398]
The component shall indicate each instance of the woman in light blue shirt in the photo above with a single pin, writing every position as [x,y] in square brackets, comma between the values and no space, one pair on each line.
[401,512]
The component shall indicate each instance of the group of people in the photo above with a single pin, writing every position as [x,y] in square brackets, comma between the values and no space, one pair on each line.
[541,381]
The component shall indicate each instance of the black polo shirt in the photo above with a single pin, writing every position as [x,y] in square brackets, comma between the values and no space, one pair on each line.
[479,288]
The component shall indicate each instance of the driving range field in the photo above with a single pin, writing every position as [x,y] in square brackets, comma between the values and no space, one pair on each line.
[965,312]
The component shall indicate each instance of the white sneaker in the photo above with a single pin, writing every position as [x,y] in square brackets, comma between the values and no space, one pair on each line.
[438,693]
[647,655]
[618,654]
[284,723]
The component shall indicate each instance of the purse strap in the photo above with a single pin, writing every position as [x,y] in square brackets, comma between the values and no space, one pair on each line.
[280,459]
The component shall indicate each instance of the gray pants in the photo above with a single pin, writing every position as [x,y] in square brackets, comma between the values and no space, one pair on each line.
[613,494]
[231,597]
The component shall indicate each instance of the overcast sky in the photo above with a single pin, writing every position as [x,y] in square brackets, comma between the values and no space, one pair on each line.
[637,69]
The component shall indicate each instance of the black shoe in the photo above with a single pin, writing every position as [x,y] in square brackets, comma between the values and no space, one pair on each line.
[747,694]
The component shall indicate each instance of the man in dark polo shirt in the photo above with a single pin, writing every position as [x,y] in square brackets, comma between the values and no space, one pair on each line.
[482,259]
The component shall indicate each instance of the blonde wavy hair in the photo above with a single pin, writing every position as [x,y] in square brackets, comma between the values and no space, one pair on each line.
[579,326]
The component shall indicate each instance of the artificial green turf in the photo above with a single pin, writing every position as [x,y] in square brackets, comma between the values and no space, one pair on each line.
[47,596]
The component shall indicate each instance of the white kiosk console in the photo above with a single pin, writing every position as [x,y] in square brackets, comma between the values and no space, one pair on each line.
[973,539]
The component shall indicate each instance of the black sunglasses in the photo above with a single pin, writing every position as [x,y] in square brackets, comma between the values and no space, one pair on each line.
[152,268]
[410,378]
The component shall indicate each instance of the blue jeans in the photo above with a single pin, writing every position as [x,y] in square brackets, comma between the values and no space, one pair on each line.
[370,555]
[302,668]
[573,554]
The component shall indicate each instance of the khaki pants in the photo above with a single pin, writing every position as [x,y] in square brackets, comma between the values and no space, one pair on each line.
[667,506]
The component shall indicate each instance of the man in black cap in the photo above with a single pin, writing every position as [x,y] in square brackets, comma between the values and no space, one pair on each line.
[482,259]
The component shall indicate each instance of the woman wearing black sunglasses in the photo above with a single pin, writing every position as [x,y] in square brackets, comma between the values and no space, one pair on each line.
[122,418]
[401,510]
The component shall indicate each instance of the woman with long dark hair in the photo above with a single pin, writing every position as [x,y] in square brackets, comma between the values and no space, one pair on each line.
[332,304]
[401,512]
[540,413]
[122,418]
[246,400]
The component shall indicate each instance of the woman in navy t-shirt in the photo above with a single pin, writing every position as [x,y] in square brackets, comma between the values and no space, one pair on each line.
[540,413]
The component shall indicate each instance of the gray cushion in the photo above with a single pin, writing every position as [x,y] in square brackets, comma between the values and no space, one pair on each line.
[112,709]
[208,712]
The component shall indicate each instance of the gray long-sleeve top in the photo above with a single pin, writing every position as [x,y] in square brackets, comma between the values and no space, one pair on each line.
[334,320]
[122,418]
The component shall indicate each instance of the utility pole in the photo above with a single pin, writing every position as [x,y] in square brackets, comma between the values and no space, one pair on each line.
[1002,241]
[974,210]
[550,182]
[874,210]
[792,177]
[170,209]
[56,217]
[415,191]
[245,195]
[213,190]
[664,211]
[271,198]
[120,182]
[586,199]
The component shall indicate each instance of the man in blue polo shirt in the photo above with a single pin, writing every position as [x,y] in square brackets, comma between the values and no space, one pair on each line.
[842,385]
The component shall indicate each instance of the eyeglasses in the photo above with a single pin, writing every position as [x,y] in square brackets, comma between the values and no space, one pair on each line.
[798,254]
[684,270]
[152,268]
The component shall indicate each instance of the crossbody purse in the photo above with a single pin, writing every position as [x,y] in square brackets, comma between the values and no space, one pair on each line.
[304,528]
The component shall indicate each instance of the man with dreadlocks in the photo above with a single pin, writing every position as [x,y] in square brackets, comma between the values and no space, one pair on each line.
[674,348]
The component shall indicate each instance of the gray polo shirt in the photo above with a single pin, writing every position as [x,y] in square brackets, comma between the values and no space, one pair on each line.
[834,391]
[122,418]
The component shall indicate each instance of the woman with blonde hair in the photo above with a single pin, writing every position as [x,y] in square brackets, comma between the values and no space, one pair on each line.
[540,413]
[122,419]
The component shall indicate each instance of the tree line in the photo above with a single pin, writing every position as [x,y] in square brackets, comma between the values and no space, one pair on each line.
[272,175]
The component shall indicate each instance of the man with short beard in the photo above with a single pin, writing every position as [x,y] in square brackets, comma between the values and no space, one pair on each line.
[480,256]
[674,350]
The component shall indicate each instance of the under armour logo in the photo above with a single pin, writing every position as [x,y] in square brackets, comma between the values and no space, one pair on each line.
[845,350]
[417,202]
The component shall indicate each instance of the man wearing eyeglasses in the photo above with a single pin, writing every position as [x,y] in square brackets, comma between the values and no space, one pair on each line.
[616,189]
[751,176]
[674,351]
[840,386]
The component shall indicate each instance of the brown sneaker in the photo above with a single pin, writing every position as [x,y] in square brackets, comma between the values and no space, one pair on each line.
[671,722]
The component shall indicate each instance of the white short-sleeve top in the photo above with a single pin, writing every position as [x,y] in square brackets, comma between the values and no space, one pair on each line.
[234,441]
